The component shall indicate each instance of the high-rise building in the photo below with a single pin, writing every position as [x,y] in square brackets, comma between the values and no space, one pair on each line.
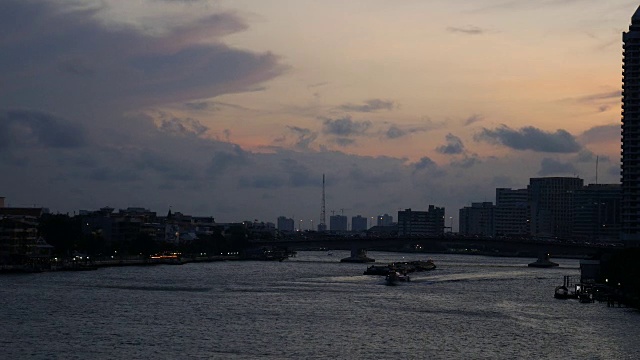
[551,206]
[597,213]
[338,223]
[511,213]
[631,133]
[421,223]
[477,219]
[359,223]
[286,224]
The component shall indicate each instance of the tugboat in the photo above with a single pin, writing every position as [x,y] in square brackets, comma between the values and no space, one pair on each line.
[395,277]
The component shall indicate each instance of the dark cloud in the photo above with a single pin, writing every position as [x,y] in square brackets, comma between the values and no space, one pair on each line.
[425,163]
[343,141]
[72,59]
[473,119]
[530,138]
[184,127]
[370,106]
[345,127]
[602,134]
[200,105]
[586,156]
[467,30]
[395,132]
[467,162]
[304,137]
[24,128]
[454,146]
[550,167]
[261,182]
[223,160]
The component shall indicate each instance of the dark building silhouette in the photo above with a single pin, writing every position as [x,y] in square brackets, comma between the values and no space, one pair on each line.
[597,213]
[477,219]
[631,133]
[421,223]
[551,206]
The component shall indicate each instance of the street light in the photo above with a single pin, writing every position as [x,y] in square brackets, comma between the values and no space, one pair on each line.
[451,224]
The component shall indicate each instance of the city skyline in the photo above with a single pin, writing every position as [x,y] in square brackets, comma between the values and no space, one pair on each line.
[236,108]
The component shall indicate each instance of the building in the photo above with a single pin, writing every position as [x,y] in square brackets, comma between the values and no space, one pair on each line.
[338,223]
[359,223]
[421,223]
[551,206]
[511,213]
[385,220]
[631,133]
[286,224]
[597,213]
[477,219]
[20,243]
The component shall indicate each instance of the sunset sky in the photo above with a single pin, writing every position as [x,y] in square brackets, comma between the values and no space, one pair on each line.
[235,108]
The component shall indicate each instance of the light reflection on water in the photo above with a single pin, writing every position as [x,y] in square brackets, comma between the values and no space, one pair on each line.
[310,306]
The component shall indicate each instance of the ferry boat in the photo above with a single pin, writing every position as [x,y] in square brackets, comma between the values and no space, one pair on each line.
[395,277]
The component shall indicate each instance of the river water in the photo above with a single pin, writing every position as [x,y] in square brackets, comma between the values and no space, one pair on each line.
[309,307]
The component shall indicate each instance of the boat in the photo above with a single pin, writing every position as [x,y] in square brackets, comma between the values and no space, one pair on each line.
[543,262]
[561,293]
[395,277]
[378,270]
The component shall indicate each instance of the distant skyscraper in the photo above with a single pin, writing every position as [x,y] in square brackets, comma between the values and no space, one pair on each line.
[551,205]
[512,212]
[285,224]
[338,223]
[477,219]
[631,133]
[597,213]
[359,223]
[421,223]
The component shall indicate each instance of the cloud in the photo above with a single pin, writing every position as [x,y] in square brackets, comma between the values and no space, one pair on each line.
[425,163]
[602,134]
[454,146]
[395,131]
[345,127]
[24,128]
[601,101]
[473,119]
[467,30]
[549,167]
[223,160]
[369,106]
[466,162]
[344,142]
[184,126]
[304,137]
[78,58]
[530,138]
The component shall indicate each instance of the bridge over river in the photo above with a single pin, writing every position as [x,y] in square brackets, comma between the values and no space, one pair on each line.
[441,244]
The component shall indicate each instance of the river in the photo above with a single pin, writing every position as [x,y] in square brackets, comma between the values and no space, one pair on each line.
[310,307]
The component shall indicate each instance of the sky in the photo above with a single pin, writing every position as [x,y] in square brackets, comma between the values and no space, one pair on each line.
[235,108]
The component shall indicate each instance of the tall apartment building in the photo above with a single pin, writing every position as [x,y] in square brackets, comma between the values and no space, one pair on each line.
[631,133]
[285,224]
[551,206]
[597,213]
[338,223]
[477,219]
[511,213]
[359,223]
[421,223]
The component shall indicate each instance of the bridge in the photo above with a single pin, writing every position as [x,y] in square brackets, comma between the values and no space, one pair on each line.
[441,244]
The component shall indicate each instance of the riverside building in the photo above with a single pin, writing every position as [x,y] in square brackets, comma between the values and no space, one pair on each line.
[631,133]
